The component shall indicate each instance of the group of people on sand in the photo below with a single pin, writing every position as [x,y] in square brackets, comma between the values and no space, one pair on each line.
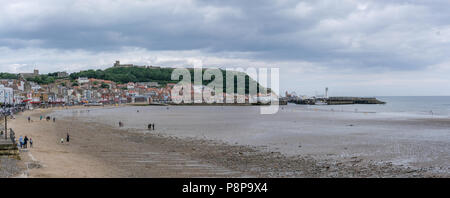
[67,139]
[150,126]
[23,142]
[48,118]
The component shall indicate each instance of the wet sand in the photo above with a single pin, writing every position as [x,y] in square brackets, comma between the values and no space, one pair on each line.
[9,167]
[101,150]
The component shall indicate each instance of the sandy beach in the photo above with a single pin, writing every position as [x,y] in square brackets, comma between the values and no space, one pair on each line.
[98,151]
[50,158]
[101,150]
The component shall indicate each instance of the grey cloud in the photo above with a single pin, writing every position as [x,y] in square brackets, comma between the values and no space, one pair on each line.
[356,34]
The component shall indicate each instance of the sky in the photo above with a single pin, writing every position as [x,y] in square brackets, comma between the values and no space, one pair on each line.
[353,47]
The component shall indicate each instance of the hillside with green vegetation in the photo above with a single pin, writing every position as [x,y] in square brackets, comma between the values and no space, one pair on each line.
[43,79]
[133,74]
[127,74]
[8,76]
[140,74]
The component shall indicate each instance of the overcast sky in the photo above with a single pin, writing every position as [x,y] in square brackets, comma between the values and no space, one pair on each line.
[360,48]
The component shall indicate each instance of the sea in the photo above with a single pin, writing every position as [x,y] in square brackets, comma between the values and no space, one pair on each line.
[411,106]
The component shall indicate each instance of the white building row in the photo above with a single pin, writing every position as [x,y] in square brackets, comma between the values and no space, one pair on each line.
[6,95]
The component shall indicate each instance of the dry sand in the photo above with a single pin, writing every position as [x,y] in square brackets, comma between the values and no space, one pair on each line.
[98,150]
[55,159]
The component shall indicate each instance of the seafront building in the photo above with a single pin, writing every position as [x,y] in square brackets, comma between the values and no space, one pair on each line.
[6,95]
[85,90]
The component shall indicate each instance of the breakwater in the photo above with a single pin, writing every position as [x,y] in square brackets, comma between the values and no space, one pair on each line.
[339,101]
[352,100]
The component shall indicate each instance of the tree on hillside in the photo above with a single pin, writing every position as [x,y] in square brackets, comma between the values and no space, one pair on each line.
[141,74]
[42,79]
[8,76]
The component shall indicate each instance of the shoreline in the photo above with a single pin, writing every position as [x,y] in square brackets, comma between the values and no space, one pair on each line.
[99,150]
[199,104]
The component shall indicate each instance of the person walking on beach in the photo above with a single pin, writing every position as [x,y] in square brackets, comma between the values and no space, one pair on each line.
[149,126]
[54,119]
[153,126]
[25,142]
[29,119]
[41,117]
[68,137]
[21,141]
[120,124]
[31,143]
